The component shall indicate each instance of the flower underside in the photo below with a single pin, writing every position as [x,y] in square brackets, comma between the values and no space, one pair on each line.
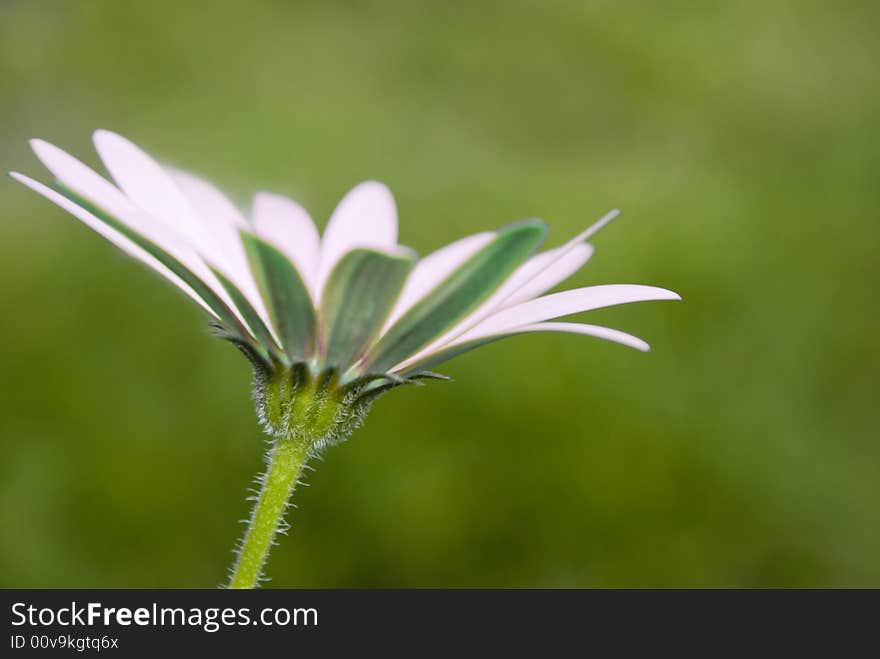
[329,322]
[352,306]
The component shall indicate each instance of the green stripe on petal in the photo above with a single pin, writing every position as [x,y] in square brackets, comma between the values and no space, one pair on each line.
[251,317]
[288,301]
[199,287]
[358,296]
[456,296]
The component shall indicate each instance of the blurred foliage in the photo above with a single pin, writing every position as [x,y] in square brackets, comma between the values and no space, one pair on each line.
[740,140]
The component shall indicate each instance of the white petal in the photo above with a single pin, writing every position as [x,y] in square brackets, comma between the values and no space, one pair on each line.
[112,235]
[207,200]
[567,303]
[366,217]
[151,188]
[284,223]
[225,222]
[460,346]
[521,278]
[551,268]
[590,330]
[94,188]
[430,361]
[97,190]
[85,182]
[430,271]
[518,278]
[533,269]
[580,328]
[593,229]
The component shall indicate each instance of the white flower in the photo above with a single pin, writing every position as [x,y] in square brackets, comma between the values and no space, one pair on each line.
[354,300]
[330,322]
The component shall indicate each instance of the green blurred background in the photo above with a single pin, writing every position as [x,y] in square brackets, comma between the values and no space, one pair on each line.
[740,140]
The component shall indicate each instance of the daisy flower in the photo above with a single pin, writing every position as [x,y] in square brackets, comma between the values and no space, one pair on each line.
[329,322]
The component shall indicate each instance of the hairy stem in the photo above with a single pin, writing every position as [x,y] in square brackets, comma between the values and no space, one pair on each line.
[287,459]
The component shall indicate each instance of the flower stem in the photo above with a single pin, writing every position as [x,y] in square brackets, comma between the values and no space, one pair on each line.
[287,459]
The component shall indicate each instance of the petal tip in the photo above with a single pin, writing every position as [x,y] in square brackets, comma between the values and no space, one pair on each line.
[262,196]
[26,180]
[529,223]
[404,252]
[373,183]
[373,187]
[107,139]
[103,134]
[41,148]
[597,226]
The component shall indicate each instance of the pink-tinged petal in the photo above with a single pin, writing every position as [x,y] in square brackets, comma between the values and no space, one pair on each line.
[533,269]
[95,189]
[589,330]
[572,328]
[149,187]
[430,271]
[152,189]
[111,235]
[366,217]
[285,224]
[460,346]
[550,269]
[85,182]
[567,303]
[207,200]
[593,229]
[216,212]
[225,220]
[536,268]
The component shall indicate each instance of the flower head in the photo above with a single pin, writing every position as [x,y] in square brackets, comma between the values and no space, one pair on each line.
[352,311]
[329,322]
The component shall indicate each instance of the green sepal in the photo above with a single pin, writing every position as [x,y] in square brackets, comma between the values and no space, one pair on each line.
[254,353]
[309,409]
